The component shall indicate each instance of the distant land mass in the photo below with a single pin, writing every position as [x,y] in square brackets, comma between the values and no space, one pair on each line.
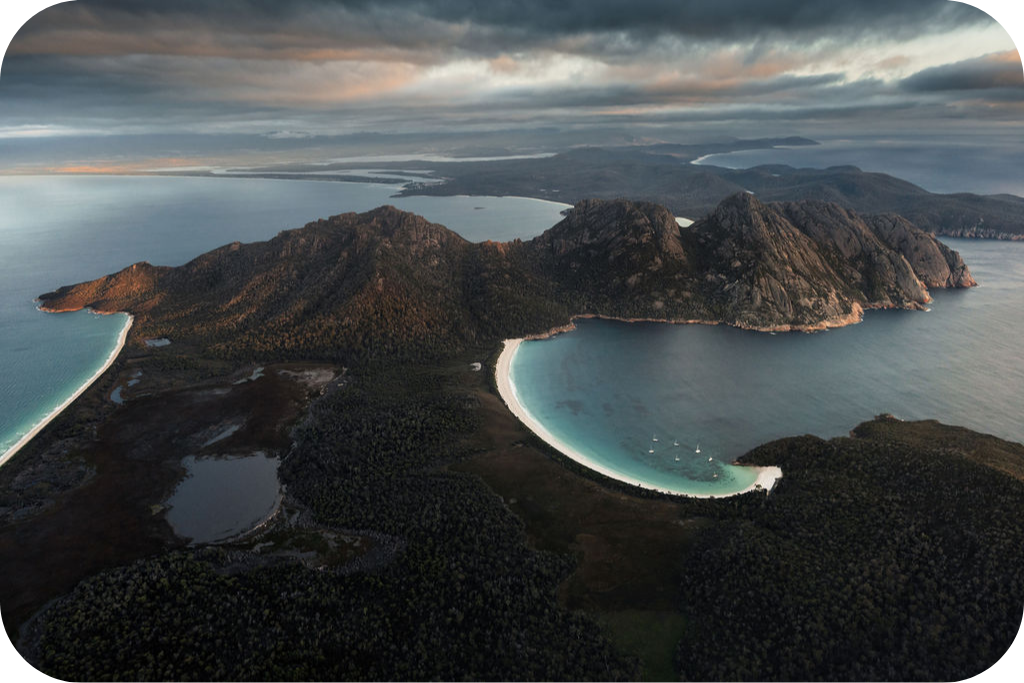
[663,173]
[660,174]
[390,284]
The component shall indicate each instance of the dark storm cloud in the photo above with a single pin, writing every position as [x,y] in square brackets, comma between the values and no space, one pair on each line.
[982,73]
[490,26]
[699,18]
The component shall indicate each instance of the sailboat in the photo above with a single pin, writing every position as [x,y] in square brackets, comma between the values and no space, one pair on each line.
[654,439]
[675,443]
[698,446]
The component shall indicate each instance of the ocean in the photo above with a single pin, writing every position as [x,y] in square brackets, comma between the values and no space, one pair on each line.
[58,230]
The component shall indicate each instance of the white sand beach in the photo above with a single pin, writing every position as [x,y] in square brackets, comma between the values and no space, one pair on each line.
[766,476]
[121,338]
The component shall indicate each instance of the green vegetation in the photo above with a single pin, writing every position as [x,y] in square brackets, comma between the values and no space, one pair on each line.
[387,285]
[651,635]
[872,561]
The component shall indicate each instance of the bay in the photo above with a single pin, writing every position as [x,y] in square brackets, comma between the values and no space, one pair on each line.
[609,388]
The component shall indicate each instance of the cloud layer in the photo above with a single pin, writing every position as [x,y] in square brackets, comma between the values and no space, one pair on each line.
[337,66]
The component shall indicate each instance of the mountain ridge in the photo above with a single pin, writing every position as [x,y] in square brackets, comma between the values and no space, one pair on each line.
[390,284]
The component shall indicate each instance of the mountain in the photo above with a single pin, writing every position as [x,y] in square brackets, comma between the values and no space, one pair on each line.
[388,284]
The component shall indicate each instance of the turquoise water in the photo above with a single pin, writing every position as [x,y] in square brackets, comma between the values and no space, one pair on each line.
[61,230]
[608,388]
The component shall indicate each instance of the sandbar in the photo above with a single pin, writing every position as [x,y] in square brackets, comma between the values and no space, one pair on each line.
[766,476]
[121,338]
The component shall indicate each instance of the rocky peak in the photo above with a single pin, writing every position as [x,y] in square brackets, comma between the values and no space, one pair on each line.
[613,225]
[390,283]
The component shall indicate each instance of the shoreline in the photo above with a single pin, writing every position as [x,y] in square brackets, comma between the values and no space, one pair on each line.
[766,476]
[854,317]
[20,443]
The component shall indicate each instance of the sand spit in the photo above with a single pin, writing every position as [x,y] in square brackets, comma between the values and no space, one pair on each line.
[766,476]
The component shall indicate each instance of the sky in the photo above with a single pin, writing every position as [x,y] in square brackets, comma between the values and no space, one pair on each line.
[660,69]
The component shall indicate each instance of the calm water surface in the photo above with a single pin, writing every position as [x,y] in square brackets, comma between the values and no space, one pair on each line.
[221,497]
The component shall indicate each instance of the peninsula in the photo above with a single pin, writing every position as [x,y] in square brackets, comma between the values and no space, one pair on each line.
[388,284]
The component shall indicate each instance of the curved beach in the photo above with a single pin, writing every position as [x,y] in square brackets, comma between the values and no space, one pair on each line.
[766,476]
[121,338]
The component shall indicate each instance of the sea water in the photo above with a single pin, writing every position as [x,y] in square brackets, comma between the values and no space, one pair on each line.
[608,389]
[58,230]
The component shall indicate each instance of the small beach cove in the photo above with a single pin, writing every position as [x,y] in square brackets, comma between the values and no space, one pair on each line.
[732,479]
[600,391]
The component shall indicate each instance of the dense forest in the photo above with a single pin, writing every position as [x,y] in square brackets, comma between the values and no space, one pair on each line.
[463,599]
[887,556]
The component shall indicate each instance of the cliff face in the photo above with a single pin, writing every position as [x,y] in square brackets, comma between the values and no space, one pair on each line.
[936,264]
[766,272]
[387,283]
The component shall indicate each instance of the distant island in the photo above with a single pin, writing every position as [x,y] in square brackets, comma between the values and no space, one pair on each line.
[424,533]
